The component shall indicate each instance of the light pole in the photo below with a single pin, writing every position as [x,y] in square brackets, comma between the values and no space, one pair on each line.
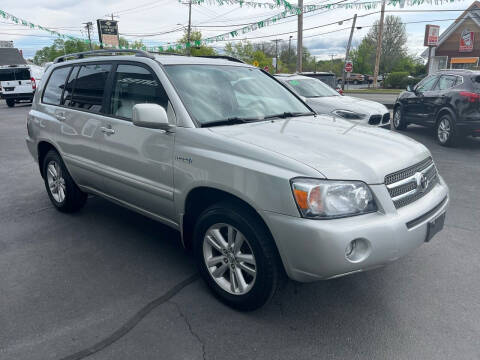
[289,50]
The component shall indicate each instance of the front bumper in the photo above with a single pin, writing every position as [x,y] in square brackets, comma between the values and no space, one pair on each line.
[315,249]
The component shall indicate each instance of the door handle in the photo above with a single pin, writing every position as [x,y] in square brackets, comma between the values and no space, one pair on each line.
[60,117]
[107,130]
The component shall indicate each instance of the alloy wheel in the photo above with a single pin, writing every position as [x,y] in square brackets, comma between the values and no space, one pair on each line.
[396,118]
[444,130]
[229,259]
[56,182]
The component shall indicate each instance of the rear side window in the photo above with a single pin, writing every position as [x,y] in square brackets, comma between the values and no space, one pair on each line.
[446,82]
[90,87]
[67,95]
[135,85]
[22,74]
[54,89]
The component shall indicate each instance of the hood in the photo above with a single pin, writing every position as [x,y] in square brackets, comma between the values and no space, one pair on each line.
[325,105]
[338,149]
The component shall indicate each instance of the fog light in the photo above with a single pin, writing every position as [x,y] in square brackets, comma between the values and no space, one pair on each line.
[357,250]
[350,248]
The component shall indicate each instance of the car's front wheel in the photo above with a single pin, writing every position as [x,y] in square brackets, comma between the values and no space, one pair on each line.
[398,119]
[445,131]
[62,190]
[10,102]
[236,256]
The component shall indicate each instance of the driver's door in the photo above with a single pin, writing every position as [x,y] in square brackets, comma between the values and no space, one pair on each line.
[138,160]
[415,109]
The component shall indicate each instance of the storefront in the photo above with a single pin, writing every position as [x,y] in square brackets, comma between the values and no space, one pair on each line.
[459,45]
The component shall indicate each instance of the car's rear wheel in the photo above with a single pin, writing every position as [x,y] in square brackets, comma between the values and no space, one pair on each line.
[236,256]
[445,131]
[10,102]
[62,190]
[398,119]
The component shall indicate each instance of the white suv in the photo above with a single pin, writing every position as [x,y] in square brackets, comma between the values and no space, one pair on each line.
[255,182]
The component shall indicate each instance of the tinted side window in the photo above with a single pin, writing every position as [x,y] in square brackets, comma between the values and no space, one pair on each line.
[90,87]
[56,83]
[67,95]
[135,85]
[427,84]
[446,82]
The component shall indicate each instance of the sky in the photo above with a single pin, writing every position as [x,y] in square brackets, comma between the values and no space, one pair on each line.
[140,18]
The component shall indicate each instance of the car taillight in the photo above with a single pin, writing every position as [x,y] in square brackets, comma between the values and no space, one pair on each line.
[472,97]
[34,83]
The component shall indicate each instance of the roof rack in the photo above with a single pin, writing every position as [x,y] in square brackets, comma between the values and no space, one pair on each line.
[226,57]
[81,55]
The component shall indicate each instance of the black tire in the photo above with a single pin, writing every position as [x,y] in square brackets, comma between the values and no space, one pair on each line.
[446,126]
[268,265]
[10,102]
[74,199]
[398,121]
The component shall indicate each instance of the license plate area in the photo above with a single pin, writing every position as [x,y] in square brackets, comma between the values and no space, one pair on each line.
[435,226]
[9,88]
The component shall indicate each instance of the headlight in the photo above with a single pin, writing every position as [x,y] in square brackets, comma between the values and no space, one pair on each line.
[347,114]
[326,199]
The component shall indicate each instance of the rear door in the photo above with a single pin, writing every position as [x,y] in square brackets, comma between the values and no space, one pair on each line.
[16,80]
[439,96]
[80,116]
[139,161]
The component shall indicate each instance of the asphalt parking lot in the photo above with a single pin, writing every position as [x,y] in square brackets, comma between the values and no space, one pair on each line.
[107,283]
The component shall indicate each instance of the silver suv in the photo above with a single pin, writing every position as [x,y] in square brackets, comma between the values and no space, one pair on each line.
[257,184]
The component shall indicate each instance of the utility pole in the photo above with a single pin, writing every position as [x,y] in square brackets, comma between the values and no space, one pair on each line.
[379,45]
[348,50]
[88,26]
[189,30]
[331,64]
[289,51]
[300,37]
[276,54]
[315,62]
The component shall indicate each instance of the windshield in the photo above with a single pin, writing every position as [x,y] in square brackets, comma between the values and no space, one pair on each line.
[311,88]
[14,74]
[220,93]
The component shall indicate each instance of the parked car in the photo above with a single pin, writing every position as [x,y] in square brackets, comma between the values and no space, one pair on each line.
[16,84]
[325,100]
[369,78]
[448,101]
[353,78]
[256,183]
[326,77]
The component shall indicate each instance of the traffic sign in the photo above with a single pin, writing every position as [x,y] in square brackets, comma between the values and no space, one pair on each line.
[266,69]
[255,63]
[348,66]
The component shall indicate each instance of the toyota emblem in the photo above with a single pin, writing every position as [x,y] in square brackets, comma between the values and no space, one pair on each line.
[423,182]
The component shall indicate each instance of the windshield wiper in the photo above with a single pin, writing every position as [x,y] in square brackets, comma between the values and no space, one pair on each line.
[287,114]
[230,121]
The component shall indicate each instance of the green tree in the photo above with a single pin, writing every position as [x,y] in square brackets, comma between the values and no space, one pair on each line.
[394,41]
[58,48]
[363,57]
[250,54]
[196,37]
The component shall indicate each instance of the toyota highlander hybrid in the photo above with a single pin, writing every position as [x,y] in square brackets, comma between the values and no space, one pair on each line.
[256,183]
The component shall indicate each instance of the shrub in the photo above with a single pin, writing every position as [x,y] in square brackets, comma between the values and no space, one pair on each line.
[397,80]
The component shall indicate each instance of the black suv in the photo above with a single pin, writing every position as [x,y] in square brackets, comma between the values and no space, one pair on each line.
[448,101]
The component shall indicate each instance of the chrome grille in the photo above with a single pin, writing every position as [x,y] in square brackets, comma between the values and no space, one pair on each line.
[386,118]
[410,184]
[375,119]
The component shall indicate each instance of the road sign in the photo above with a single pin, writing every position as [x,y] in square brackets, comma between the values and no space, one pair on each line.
[266,69]
[348,66]
[255,63]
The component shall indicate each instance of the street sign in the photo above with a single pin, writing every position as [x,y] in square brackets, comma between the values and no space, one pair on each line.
[266,69]
[431,35]
[348,66]
[108,32]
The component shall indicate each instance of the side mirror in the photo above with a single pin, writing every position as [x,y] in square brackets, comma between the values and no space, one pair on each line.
[151,116]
